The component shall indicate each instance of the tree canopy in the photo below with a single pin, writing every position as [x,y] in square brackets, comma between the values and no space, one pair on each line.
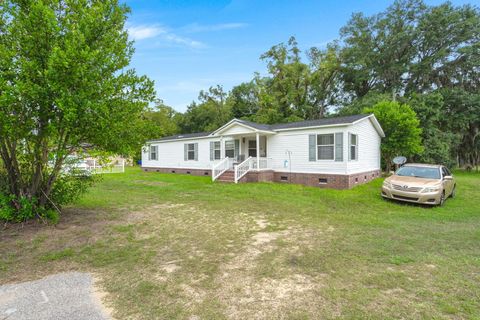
[425,56]
[402,130]
[64,83]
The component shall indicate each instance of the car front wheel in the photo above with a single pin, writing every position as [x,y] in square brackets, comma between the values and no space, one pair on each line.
[452,195]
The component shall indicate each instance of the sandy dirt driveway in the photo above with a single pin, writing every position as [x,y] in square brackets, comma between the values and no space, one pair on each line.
[62,296]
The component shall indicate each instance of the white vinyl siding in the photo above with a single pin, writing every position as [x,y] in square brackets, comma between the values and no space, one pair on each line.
[368,147]
[170,154]
[297,142]
[368,150]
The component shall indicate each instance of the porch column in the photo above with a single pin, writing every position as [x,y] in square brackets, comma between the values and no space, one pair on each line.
[222,148]
[239,148]
[258,151]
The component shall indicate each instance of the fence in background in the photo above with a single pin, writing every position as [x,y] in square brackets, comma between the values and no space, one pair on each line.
[96,168]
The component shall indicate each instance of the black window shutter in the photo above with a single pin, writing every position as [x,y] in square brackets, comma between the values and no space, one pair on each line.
[339,146]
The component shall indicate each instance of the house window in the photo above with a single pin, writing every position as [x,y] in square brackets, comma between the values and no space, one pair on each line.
[230,149]
[353,147]
[216,150]
[153,152]
[190,151]
[322,180]
[326,146]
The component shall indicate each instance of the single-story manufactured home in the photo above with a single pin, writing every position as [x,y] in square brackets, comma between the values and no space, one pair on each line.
[336,152]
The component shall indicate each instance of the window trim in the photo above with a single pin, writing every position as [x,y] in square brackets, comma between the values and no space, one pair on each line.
[350,145]
[150,153]
[232,149]
[219,150]
[324,145]
[446,173]
[188,151]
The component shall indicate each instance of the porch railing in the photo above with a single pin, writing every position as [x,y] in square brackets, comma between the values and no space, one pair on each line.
[219,168]
[250,164]
[242,169]
[263,162]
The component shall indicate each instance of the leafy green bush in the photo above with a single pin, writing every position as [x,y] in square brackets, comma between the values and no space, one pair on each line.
[402,130]
[66,189]
[16,211]
[7,211]
[69,187]
[52,216]
[26,210]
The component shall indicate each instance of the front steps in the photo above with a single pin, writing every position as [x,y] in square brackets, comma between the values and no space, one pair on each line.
[227,176]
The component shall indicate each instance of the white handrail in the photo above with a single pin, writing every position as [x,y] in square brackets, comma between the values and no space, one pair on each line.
[219,168]
[264,163]
[243,168]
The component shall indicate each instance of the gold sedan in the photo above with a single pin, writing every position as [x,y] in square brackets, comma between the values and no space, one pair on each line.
[420,183]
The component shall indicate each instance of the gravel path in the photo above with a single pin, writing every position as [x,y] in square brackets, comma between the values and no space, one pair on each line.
[61,296]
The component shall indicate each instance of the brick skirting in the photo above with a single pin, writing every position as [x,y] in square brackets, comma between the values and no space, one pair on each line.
[334,181]
[258,176]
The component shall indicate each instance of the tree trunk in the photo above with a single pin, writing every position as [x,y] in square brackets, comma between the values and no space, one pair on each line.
[13,172]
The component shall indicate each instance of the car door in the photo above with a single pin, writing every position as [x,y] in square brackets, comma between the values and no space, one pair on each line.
[447,183]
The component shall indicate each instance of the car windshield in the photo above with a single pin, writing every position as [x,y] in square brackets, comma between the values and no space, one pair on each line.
[419,172]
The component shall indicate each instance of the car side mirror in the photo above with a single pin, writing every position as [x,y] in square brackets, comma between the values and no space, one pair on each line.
[448,178]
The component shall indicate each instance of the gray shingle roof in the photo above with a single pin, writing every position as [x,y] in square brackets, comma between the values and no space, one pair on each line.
[279,126]
[183,136]
[259,126]
[319,122]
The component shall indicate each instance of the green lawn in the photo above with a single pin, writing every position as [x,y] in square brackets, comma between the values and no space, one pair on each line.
[174,246]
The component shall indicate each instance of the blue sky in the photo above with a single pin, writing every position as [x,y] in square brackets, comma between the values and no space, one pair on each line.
[187,46]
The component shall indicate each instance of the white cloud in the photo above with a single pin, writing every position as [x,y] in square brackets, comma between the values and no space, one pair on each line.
[162,34]
[145,32]
[195,27]
[184,41]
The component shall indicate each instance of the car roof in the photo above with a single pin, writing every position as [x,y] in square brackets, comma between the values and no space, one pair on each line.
[423,165]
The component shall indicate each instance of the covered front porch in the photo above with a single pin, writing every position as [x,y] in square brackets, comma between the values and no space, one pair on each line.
[240,149]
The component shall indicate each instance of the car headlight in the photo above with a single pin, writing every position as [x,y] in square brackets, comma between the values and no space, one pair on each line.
[387,184]
[430,189]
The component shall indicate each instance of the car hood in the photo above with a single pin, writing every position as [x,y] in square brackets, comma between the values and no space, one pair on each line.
[412,181]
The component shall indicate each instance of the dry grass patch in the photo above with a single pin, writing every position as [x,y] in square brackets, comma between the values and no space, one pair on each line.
[259,282]
[181,247]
